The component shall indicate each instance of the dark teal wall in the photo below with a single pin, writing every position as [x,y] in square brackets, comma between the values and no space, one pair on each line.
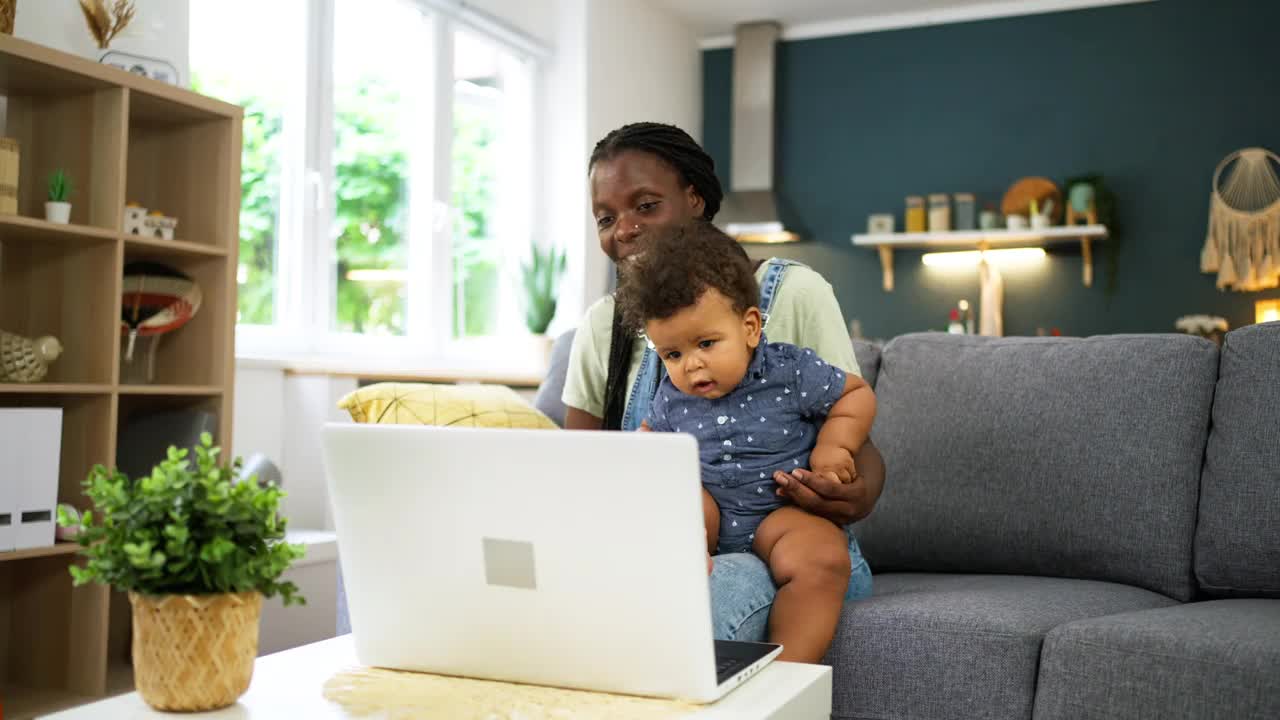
[1151,95]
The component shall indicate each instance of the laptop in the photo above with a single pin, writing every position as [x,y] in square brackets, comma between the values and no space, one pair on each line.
[569,559]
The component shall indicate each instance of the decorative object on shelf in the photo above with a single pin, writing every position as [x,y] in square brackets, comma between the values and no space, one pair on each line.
[991,299]
[159,226]
[31,445]
[26,360]
[68,533]
[1041,218]
[1210,327]
[966,315]
[147,67]
[134,218]
[10,155]
[880,224]
[1266,311]
[954,326]
[966,217]
[939,212]
[151,224]
[8,10]
[157,299]
[1018,199]
[1016,222]
[989,219]
[58,208]
[104,22]
[196,582]
[1082,202]
[915,216]
[1243,242]
[1089,194]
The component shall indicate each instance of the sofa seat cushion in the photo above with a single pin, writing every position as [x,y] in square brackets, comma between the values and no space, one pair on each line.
[958,646]
[1065,457]
[1217,659]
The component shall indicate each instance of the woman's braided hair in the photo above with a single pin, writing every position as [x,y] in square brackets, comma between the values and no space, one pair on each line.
[695,168]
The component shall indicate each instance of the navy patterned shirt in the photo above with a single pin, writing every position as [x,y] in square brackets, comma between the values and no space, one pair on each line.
[769,422]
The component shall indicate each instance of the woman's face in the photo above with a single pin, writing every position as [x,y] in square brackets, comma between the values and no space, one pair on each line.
[635,193]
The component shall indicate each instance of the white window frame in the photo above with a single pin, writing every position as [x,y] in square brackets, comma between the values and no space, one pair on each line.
[305,283]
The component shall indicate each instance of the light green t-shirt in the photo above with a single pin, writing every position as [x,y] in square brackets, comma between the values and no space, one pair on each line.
[805,313]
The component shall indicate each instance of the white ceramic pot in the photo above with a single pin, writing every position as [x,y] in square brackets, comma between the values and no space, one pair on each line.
[57,212]
[1039,222]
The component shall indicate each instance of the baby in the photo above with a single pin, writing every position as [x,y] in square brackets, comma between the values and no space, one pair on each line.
[758,409]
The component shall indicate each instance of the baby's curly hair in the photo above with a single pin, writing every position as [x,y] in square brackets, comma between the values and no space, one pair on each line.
[677,267]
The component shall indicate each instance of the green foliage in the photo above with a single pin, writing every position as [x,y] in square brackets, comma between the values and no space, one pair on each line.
[184,530]
[59,186]
[371,177]
[541,286]
[476,255]
[370,165]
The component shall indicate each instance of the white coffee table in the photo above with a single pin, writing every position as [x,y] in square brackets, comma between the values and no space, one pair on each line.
[287,685]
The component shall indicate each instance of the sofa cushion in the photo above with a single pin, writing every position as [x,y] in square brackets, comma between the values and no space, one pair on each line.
[958,646]
[1217,659]
[1042,456]
[451,405]
[1238,537]
[867,354]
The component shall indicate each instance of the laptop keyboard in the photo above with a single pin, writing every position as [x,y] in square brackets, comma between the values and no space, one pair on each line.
[728,667]
[735,657]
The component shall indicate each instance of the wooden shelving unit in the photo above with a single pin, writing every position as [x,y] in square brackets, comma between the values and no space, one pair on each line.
[984,240]
[120,137]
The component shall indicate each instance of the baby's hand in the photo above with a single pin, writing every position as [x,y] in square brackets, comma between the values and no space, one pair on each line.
[832,459]
[644,427]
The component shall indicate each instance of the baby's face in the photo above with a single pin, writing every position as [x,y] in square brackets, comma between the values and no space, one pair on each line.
[707,347]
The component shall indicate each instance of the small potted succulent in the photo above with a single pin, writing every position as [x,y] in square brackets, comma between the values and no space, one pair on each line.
[58,208]
[541,279]
[197,548]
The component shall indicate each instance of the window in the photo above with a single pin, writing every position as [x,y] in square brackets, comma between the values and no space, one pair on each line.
[386,172]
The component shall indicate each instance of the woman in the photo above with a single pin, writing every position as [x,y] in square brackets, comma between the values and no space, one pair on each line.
[648,177]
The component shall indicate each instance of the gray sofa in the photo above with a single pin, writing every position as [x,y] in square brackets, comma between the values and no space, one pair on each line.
[1071,528]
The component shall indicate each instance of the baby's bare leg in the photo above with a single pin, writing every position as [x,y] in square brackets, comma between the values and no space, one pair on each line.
[809,559]
[711,519]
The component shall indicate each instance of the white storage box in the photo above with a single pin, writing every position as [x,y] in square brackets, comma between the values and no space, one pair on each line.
[31,445]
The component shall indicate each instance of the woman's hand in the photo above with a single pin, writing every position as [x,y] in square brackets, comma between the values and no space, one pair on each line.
[823,494]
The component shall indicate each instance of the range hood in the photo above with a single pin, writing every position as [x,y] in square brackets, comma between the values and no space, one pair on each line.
[750,210]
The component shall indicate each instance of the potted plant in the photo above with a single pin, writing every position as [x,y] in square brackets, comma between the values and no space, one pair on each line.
[197,549]
[58,209]
[541,278]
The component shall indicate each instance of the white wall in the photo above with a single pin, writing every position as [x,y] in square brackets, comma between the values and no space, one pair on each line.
[159,29]
[613,62]
[643,64]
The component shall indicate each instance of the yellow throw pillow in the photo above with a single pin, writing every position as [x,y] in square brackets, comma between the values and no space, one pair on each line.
[443,405]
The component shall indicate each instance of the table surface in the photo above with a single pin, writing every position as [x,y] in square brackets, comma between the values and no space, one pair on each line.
[288,684]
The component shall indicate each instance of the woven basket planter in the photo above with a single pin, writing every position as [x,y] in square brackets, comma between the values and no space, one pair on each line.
[194,652]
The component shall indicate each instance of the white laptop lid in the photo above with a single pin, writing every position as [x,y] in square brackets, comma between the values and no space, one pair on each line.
[574,559]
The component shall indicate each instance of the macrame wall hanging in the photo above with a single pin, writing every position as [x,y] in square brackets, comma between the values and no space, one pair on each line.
[1243,243]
